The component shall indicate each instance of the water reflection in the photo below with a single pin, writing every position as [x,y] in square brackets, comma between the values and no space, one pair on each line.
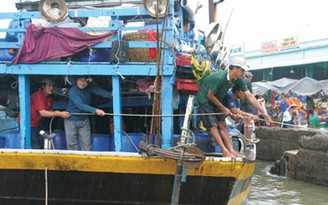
[268,189]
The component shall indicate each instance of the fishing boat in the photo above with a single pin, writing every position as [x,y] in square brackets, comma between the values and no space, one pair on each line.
[167,168]
[63,177]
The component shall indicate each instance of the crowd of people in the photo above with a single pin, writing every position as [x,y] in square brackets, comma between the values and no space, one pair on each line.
[289,110]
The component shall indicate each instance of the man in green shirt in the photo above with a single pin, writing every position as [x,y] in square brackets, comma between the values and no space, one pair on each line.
[210,97]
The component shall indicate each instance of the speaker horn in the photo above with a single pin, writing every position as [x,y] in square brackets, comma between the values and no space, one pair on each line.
[190,8]
[54,11]
[153,9]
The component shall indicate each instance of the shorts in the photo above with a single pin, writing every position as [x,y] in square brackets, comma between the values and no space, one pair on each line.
[212,119]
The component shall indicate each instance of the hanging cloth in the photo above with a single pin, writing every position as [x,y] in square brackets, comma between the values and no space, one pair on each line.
[43,43]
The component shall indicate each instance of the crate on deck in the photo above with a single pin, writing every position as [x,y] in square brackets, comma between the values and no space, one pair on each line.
[187,86]
[183,60]
[183,63]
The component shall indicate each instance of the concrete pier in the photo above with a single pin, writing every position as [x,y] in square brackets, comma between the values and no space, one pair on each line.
[298,154]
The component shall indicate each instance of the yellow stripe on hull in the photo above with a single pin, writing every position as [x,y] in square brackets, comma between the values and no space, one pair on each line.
[120,164]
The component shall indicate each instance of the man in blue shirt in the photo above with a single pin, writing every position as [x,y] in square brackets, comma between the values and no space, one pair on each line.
[232,102]
[77,127]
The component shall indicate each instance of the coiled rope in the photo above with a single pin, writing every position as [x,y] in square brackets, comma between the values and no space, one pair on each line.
[173,153]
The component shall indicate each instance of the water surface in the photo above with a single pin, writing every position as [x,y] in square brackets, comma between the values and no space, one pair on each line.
[268,189]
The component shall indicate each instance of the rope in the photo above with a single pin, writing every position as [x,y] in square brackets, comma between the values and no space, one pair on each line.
[14,84]
[292,126]
[173,75]
[46,185]
[248,140]
[194,114]
[148,115]
[152,150]
[296,126]
[89,59]
[118,60]
[131,141]
[50,125]
[156,123]
[52,144]
[69,63]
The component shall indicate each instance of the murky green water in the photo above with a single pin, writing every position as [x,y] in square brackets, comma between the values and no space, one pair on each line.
[268,189]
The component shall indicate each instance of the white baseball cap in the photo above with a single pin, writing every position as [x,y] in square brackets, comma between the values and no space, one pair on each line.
[239,62]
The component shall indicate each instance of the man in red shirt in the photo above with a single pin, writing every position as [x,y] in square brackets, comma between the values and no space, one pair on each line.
[41,104]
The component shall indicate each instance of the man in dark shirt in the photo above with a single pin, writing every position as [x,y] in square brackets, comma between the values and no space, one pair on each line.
[246,106]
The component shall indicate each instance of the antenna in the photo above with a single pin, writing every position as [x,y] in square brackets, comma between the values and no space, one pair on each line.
[226,27]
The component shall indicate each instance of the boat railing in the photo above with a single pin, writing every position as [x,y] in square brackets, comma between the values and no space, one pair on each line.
[122,21]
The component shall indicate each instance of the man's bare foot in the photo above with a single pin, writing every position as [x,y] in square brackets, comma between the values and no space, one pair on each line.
[228,154]
[237,154]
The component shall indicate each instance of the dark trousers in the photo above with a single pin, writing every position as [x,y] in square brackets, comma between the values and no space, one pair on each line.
[37,141]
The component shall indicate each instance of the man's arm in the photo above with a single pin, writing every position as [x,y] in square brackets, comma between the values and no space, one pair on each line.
[244,114]
[78,101]
[77,98]
[216,102]
[45,110]
[54,113]
[101,92]
[251,99]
